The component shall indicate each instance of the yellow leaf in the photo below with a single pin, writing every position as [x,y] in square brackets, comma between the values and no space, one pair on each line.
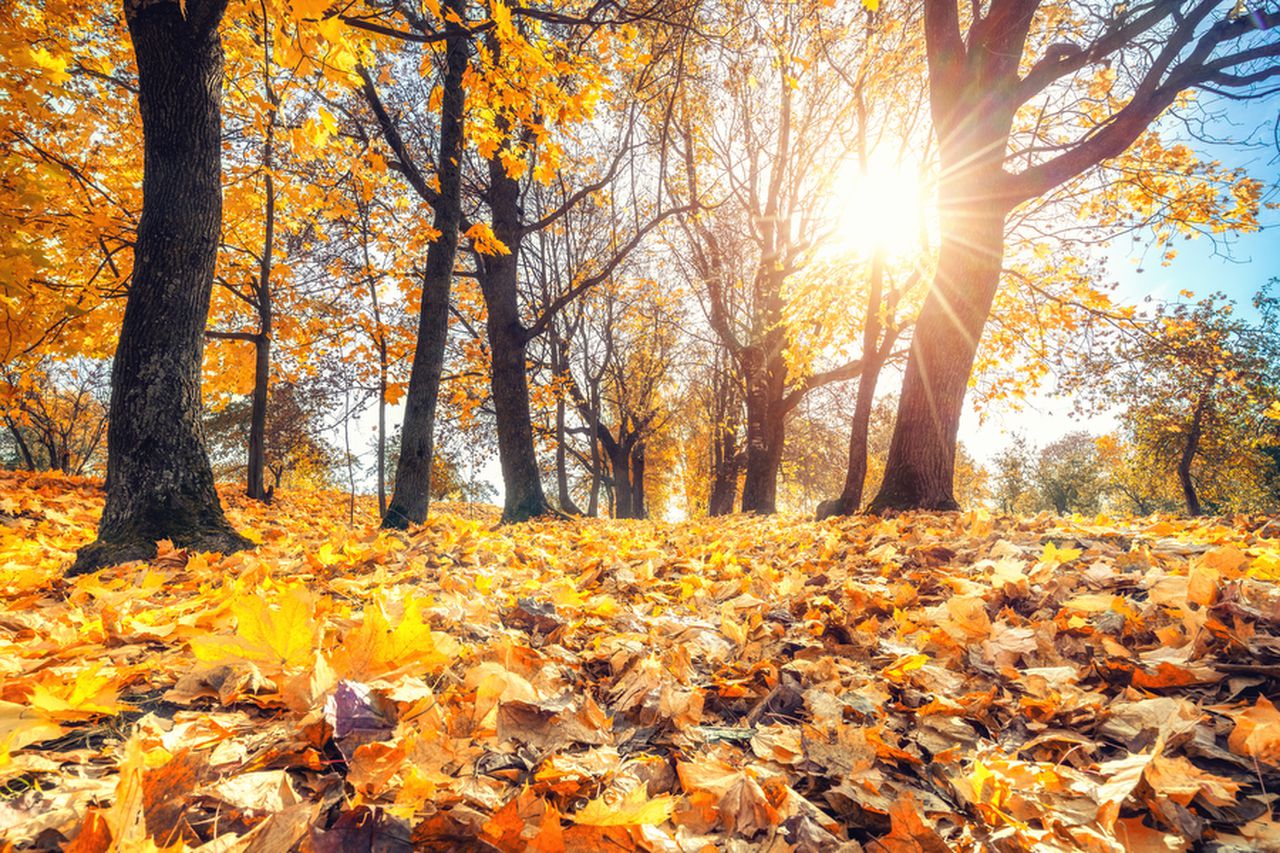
[280,633]
[54,66]
[635,809]
[485,241]
[90,694]
[1057,556]
[907,663]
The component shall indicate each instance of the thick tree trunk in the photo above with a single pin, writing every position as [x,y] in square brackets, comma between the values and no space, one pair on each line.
[508,342]
[639,509]
[620,477]
[766,431]
[412,493]
[921,463]
[764,458]
[524,498]
[159,482]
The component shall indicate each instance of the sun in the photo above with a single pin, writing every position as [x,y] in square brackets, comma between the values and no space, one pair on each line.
[879,208]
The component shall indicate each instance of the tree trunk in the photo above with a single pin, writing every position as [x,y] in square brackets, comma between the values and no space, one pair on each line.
[638,507]
[620,480]
[25,450]
[412,493]
[159,482]
[856,476]
[382,434]
[256,487]
[873,353]
[921,463]
[262,343]
[1189,450]
[508,342]
[766,429]
[560,364]
[524,498]
[724,469]
[593,499]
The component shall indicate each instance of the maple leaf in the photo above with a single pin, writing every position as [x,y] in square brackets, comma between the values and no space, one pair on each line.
[89,693]
[378,645]
[485,241]
[635,808]
[1053,555]
[1257,732]
[279,633]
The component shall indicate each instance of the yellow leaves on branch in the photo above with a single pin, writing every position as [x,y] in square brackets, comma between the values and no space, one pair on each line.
[485,241]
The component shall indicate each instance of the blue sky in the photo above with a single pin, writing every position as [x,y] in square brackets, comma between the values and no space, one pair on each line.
[1238,268]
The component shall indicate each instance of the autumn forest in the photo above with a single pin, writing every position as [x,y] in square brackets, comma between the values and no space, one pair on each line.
[664,425]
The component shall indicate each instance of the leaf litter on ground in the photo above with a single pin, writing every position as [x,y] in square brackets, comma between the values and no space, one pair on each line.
[927,682]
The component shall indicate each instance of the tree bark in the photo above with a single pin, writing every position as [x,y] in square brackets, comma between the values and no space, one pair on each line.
[412,492]
[724,469]
[639,508]
[766,429]
[1189,450]
[508,343]
[921,462]
[256,486]
[159,482]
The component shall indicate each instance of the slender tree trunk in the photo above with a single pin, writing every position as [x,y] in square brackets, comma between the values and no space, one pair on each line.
[921,463]
[258,411]
[560,363]
[1189,450]
[856,475]
[382,435]
[724,469]
[593,500]
[412,494]
[159,482]
[27,458]
[262,343]
[562,464]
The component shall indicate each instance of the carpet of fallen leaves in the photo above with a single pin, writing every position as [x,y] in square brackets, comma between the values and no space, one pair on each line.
[924,683]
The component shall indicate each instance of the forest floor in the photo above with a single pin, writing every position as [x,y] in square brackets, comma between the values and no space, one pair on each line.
[924,683]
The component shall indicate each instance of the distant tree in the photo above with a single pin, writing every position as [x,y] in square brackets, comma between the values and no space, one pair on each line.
[296,451]
[1136,479]
[1069,476]
[972,481]
[55,415]
[1196,380]
[1013,483]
